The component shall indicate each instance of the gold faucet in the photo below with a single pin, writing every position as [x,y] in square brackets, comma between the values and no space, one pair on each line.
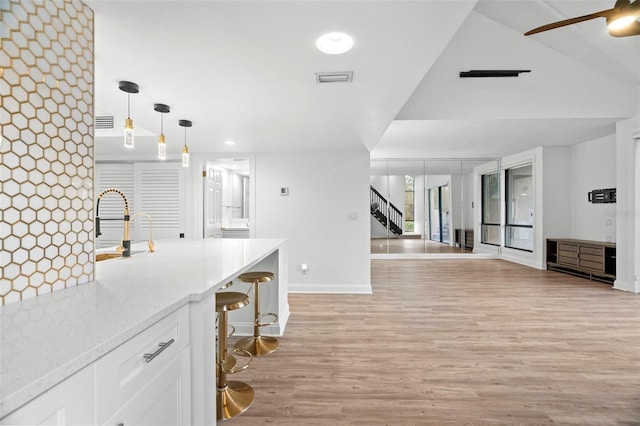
[125,245]
[150,242]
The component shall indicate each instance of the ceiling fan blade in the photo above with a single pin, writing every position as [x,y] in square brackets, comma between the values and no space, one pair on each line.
[601,14]
[632,29]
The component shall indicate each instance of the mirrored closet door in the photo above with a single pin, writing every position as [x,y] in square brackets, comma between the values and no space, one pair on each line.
[424,206]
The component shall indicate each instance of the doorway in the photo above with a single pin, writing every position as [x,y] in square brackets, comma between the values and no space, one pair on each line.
[226,198]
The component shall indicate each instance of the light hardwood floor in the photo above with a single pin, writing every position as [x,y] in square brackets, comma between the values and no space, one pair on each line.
[454,341]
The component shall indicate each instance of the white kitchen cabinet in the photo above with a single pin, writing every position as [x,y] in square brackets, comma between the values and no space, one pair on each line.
[164,400]
[144,381]
[124,372]
[71,402]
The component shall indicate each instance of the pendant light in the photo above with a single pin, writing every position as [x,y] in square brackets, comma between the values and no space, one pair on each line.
[185,148]
[162,145]
[129,88]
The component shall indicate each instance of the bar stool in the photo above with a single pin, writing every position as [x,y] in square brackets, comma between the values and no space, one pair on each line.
[233,397]
[258,345]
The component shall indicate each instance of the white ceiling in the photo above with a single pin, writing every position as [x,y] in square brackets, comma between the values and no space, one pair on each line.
[244,70]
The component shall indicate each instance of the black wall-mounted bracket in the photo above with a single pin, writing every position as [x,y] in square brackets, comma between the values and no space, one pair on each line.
[492,73]
[600,196]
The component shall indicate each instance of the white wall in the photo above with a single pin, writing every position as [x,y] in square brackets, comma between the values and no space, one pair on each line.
[396,191]
[593,166]
[557,192]
[439,95]
[324,188]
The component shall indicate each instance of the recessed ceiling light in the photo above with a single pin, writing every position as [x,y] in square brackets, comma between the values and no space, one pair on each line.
[229,142]
[335,43]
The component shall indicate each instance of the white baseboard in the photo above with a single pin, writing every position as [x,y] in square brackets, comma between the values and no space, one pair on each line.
[624,285]
[469,256]
[331,288]
[531,262]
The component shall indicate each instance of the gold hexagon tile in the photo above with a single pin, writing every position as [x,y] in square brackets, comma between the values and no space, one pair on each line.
[46,83]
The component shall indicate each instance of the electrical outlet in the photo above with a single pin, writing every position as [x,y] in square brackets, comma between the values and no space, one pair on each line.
[353,216]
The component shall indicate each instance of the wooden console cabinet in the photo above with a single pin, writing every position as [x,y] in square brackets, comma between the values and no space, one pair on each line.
[591,259]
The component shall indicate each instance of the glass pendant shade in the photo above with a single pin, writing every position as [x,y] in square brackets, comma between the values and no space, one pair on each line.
[185,148]
[129,88]
[128,133]
[162,144]
[185,156]
[162,148]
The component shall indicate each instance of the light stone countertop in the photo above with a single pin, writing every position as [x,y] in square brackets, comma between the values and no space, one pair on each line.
[48,338]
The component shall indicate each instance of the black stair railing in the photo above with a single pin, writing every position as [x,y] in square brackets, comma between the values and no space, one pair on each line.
[380,208]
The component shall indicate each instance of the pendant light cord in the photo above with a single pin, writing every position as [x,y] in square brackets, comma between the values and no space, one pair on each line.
[129,105]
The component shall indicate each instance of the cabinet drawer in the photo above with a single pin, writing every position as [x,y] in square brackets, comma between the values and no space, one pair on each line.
[121,373]
[567,254]
[592,258]
[568,247]
[564,260]
[598,251]
[164,401]
[596,265]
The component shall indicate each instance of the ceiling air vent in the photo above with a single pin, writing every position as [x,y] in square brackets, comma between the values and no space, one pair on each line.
[104,122]
[334,77]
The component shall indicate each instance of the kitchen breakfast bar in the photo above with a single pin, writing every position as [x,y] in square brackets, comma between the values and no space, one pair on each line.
[138,344]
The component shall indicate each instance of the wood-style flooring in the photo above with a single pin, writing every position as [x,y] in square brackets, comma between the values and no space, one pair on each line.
[454,341]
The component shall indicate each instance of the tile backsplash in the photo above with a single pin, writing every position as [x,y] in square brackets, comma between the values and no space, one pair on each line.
[46,167]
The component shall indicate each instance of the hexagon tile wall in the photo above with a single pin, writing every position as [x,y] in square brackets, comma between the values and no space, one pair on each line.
[46,167]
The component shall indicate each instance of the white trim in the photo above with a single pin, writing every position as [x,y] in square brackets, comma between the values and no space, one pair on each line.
[522,257]
[533,157]
[635,134]
[330,288]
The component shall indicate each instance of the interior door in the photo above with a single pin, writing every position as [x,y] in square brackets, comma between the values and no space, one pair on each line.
[213,201]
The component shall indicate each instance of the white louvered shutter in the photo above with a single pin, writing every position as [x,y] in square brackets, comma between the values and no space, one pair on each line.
[158,190]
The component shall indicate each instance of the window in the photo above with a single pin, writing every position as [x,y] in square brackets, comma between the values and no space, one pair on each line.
[409,201]
[519,196]
[490,227]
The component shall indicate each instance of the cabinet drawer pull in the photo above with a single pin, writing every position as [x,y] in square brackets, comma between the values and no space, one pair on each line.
[163,346]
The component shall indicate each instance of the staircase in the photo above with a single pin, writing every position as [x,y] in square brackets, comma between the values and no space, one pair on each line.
[381,208]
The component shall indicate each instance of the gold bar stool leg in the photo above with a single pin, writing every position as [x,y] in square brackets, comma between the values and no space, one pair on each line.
[233,397]
[257,344]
